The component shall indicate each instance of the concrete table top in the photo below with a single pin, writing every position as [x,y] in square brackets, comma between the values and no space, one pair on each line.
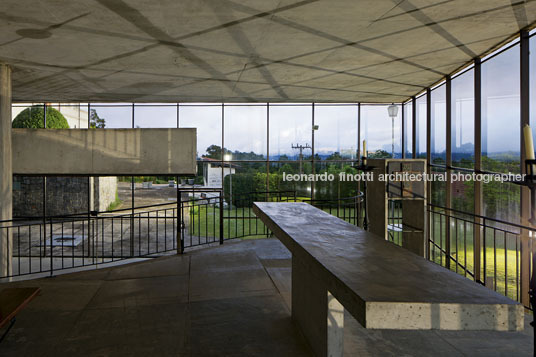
[383,285]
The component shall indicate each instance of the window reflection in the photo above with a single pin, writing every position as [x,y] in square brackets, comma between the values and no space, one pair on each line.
[501,112]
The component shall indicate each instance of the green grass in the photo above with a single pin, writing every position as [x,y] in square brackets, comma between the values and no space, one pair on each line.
[114,204]
[204,221]
[498,259]
[238,222]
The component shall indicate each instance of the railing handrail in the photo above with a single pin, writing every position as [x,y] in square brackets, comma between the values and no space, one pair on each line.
[517,225]
[93,214]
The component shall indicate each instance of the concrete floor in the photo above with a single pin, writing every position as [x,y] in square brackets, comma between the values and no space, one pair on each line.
[232,300]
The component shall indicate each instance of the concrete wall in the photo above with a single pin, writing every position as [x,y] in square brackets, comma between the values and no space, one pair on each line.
[65,195]
[105,192]
[104,152]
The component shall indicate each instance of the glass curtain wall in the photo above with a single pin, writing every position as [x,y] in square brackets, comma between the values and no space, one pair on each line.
[378,130]
[463,137]
[420,123]
[408,129]
[259,142]
[501,132]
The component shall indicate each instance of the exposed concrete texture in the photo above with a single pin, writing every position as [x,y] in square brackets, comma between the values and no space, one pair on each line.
[105,190]
[6,181]
[118,311]
[104,152]
[318,314]
[383,285]
[236,51]
[414,217]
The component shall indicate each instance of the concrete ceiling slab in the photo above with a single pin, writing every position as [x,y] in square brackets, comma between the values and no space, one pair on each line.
[253,51]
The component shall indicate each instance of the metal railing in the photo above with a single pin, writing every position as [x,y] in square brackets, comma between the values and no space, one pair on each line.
[56,243]
[486,250]
[46,245]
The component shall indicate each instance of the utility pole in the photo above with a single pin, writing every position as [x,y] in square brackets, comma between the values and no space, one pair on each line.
[301,147]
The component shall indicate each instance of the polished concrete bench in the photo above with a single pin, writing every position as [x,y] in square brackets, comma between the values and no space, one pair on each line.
[337,266]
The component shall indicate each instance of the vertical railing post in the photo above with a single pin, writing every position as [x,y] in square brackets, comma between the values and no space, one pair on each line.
[132,190]
[221,216]
[51,251]
[484,279]
[180,240]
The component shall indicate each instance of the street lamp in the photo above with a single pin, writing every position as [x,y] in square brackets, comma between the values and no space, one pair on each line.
[228,157]
[393,112]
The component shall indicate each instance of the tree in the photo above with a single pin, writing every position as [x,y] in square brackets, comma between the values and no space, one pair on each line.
[96,122]
[283,157]
[336,156]
[380,154]
[214,152]
[34,117]
[243,184]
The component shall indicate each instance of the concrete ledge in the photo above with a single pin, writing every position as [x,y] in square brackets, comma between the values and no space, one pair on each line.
[104,151]
[429,316]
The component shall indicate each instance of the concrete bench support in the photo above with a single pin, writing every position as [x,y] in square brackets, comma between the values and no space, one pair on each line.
[317,313]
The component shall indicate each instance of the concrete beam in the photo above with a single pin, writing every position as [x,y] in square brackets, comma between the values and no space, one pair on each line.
[104,152]
[6,177]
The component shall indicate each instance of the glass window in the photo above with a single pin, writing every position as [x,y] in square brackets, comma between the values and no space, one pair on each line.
[290,126]
[335,189]
[207,119]
[302,188]
[336,137]
[378,131]
[408,129]
[28,115]
[463,120]
[439,187]
[245,131]
[111,116]
[501,201]
[532,81]
[420,122]
[155,116]
[463,192]
[76,114]
[439,125]
[501,112]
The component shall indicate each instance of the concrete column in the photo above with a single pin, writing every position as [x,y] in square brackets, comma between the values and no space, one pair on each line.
[319,316]
[6,173]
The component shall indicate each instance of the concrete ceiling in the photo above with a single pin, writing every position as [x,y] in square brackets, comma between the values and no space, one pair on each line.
[242,51]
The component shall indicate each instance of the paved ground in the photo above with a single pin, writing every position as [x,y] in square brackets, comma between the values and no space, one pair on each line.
[222,301]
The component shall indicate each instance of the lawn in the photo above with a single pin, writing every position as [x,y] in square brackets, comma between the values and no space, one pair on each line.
[500,261]
[239,222]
